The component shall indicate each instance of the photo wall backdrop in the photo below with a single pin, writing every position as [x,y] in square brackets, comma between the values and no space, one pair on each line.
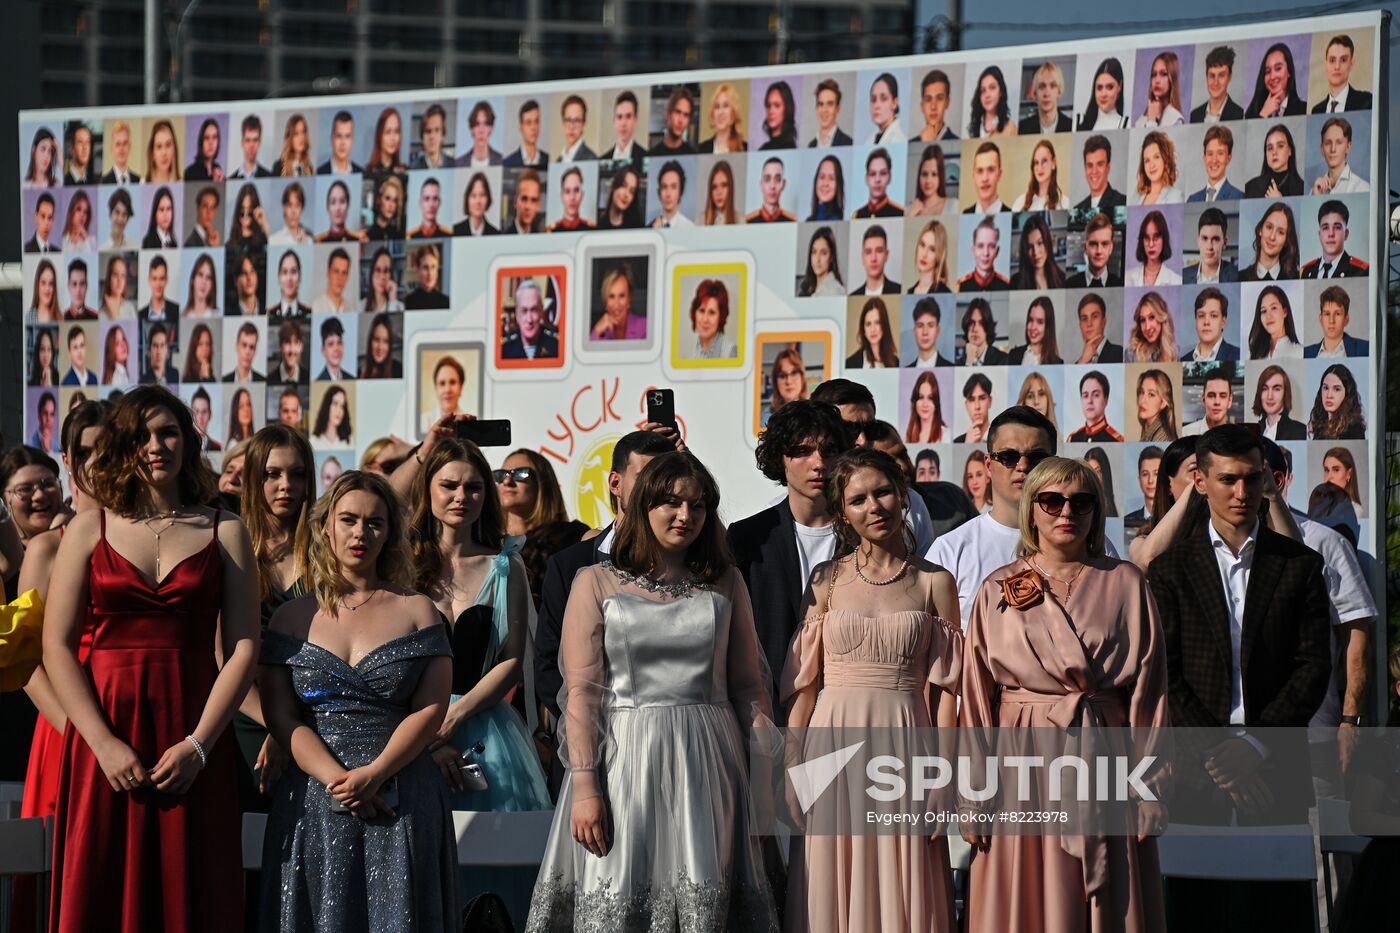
[1142,236]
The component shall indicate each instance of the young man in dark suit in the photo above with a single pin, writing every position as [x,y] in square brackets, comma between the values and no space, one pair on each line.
[1220,66]
[630,454]
[776,549]
[1338,60]
[1098,159]
[1246,635]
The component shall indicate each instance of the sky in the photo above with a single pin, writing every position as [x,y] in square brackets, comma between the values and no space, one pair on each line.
[994,23]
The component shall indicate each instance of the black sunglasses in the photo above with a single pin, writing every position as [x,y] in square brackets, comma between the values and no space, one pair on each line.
[519,474]
[1053,503]
[1010,457]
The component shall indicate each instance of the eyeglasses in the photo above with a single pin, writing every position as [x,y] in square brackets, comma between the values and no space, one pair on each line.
[27,490]
[519,475]
[1053,503]
[1010,457]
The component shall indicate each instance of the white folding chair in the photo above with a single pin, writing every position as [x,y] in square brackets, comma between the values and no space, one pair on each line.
[26,848]
[1255,853]
[501,839]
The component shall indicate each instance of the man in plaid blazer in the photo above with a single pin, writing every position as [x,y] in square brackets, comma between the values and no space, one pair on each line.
[1245,624]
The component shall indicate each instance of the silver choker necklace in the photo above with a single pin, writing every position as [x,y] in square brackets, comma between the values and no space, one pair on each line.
[650,584]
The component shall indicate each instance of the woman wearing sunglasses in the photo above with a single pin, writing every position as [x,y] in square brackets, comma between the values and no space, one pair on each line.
[1106,668]
[534,507]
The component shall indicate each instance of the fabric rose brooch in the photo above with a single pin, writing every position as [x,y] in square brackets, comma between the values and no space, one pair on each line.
[1022,590]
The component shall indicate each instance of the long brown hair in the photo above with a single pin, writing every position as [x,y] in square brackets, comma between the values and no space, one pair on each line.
[885,353]
[549,498]
[116,475]
[395,564]
[425,531]
[911,432]
[845,467]
[262,527]
[636,549]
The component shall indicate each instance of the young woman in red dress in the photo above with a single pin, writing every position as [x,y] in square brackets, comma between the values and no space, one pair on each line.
[147,836]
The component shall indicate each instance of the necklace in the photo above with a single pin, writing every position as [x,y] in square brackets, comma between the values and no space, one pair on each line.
[678,590]
[855,562]
[362,602]
[170,518]
[1068,584]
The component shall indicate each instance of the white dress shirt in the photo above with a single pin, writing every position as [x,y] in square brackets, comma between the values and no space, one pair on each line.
[1234,576]
[894,133]
[1348,182]
[1337,103]
[1206,356]
[571,153]
[1286,349]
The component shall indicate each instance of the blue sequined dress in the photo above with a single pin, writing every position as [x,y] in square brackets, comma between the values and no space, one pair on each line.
[324,870]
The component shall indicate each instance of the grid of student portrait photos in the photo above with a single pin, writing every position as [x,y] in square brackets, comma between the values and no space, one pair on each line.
[1141,241]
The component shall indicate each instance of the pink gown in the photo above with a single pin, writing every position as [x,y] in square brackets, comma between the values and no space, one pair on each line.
[872,671]
[1096,659]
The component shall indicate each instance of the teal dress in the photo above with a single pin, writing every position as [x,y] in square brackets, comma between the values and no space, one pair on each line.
[508,758]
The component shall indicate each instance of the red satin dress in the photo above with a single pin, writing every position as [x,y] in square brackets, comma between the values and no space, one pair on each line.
[147,862]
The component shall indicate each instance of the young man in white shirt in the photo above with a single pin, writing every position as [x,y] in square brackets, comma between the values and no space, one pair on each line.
[986,176]
[625,126]
[574,114]
[1098,158]
[1336,152]
[670,186]
[1212,313]
[928,321]
[1217,396]
[1213,268]
[337,276]
[828,95]
[120,172]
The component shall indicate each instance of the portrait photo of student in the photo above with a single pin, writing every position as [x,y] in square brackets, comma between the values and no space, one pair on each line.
[622,195]
[297,214]
[288,405]
[1343,470]
[43,356]
[774,113]
[627,128]
[205,146]
[381,277]
[989,103]
[577,185]
[823,194]
[925,340]
[388,141]
[199,360]
[619,301]
[294,144]
[434,140]
[576,127]
[1099,180]
[249,225]
[204,215]
[933,175]
[44,304]
[982,338]
[771,187]
[1155,257]
[1149,462]
[668,195]
[120,350]
[872,342]
[158,355]
[879,190]
[203,287]
[1275,147]
[1215,312]
[926,405]
[709,316]
[340,145]
[118,223]
[1280,77]
[381,346]
[1150,411]
[426,277]
[822,250]
[386,198]
[1338,409]
[120,152]
[478,189]
[984,254]
[1047,98]
[242,350]
[940,90]
[1034,333]
[1097,314]
[1100,245]
[1162,91]
[80,292]
[720,199]
[984,393]
[1212,258]
[1340,71]
[1037,173]
[1101,93]
[1341,310]
[1209,178]
[789,367]
[287,268]
[482,141]
[163,141]
[163,213]
[40,222]
[43,163]
[447,381]
[1272,254]
[880,119]
[1276,325]
[206,404]
[333,421]
[80,354]
[522,197]
[1151,335]
[156,290]
[116,290]
[827,117]
[333,347]
[525,134]
[1338,158]
[1158,175]
[987,188]
[335,270]
[1098,395]
[929,257]
[1278,405]
[722,112]
[674,119]
[339,224]
[530,318]
[431,204]
[876,257]
[1332,253]
[289,354]
[1218,83]
[1038,250]
[82,151]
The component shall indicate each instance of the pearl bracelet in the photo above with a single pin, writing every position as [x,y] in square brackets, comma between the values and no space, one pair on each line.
[199,750]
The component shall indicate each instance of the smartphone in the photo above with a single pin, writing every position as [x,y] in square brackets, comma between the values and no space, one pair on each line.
[486,433]
[661,406]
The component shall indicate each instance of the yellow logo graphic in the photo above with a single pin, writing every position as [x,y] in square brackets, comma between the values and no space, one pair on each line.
[591,494]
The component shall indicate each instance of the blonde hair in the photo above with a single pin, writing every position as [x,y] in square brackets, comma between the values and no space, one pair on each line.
[395,564]
[1166,350]
[1052,471]
[736,132]
[288,158]
[1035,377]
[940,243]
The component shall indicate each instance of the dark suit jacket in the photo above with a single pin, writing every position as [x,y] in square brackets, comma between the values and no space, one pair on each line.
[585,153]
[1289,430]
[196,171]
[517,159]
[258,172]
[464,228]
[1015,357]
[1231,111]
[765,551]
[514,348]
[559,573]
[1285,663]
[1294,108]
[172,312]
[1030,126]
[89,177]
[1111,353]
[1351,346]
[196,238]
[1227,192]
[1229,272]
[891,287]
[1356,100]
[1081,280]
[939,360]
[638,151]
[465,159]
[257,376]
[152,241]
[838,138]
[1111,198]
[1227,352]
[31,245]
[325,168]
[993,357]
[111,177]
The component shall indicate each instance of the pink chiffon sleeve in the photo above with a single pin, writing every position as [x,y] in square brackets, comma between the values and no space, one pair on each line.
[1148,713]
[945,654]
[582,663]
[748,677]
[803,668]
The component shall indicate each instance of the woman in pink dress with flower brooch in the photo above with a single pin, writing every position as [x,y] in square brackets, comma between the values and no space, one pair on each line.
[881,644]
[1063,637]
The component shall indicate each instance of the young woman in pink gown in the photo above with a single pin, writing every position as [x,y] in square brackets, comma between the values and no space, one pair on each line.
[1062,637]
[881,644]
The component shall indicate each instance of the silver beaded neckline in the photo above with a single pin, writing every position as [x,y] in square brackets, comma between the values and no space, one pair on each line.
[677,590]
